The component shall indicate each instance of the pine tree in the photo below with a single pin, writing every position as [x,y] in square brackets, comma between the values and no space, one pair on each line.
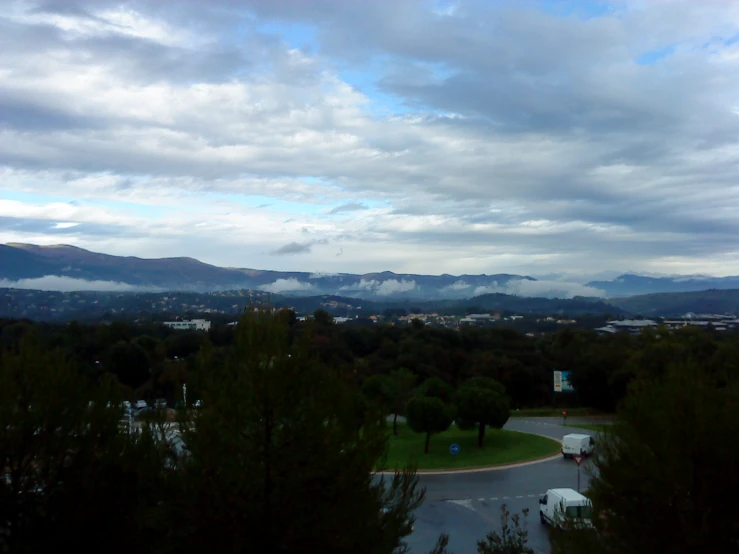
[666,473]
[74,479]
[274,461]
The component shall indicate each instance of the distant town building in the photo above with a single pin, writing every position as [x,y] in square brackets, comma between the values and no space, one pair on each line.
[335,319]
[479,319]
[705,321]
[630,325]
[482,317]
[716,321]
[189,325]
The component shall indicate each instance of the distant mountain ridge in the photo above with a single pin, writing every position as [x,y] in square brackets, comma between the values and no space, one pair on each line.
[30,261]
[629,284]
[680,303]
[63,267]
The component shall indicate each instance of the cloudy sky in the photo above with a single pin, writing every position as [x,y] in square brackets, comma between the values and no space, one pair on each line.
[471,136]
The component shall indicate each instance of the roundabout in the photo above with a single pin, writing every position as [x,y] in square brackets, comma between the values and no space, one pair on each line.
[455,450]
[466,504]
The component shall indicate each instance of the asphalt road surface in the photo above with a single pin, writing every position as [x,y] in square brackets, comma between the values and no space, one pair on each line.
[466,506]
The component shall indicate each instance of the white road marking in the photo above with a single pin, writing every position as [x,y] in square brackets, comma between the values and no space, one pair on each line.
[466,503]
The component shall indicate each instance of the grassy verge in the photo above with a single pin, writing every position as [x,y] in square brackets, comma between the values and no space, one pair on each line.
[591,426]
[500,448]
[555,412]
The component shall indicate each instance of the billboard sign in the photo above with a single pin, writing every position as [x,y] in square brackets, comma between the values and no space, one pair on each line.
[562,381]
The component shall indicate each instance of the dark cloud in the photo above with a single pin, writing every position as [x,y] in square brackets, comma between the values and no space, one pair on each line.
[348,207]
[292,248]
[65,8]
[64,228]
[19,113]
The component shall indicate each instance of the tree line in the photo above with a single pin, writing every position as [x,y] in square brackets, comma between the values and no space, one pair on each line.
[282,455]
[152,361]
[280,458]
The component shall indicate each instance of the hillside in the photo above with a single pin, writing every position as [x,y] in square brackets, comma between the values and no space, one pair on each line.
[680,303]
[65,306]
[16,263]
[29,261]
[64,267]
[77,263]
[632,285]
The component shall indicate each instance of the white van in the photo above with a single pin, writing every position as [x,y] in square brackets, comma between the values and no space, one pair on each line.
[577,445]
[565,508]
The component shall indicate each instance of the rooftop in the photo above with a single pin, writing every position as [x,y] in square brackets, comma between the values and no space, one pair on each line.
[570,495]
[633,323]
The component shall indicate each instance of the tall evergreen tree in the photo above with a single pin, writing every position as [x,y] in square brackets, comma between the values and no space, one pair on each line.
[666,474]
[274,462]
[73,479]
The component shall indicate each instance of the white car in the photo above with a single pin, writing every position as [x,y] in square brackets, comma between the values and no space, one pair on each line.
[576,444]
[140,404]
[565,508]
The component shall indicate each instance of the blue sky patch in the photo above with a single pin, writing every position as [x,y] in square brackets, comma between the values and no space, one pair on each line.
[656,55]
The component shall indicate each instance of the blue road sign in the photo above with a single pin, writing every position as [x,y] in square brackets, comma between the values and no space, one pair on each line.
[454,449]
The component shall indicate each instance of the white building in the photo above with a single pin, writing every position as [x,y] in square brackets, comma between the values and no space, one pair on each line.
[633,323]
[630,325]
[189,324]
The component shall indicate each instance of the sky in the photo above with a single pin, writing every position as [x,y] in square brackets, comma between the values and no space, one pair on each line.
[561,139]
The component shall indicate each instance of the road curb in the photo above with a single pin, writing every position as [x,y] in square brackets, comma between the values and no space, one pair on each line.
[487,468]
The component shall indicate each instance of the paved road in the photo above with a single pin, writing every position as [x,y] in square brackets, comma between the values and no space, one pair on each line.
[466,506]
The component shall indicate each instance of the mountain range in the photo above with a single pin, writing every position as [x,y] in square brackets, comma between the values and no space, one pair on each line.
[64,267]
[631,285]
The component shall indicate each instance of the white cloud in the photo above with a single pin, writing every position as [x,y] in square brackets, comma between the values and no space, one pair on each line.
[456,286]
[382,288]
[393,286]
[556,289]
[110,22]
[487,289]
[543,289]
[169,133]
[287,285]
[69,284]
[363,284]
